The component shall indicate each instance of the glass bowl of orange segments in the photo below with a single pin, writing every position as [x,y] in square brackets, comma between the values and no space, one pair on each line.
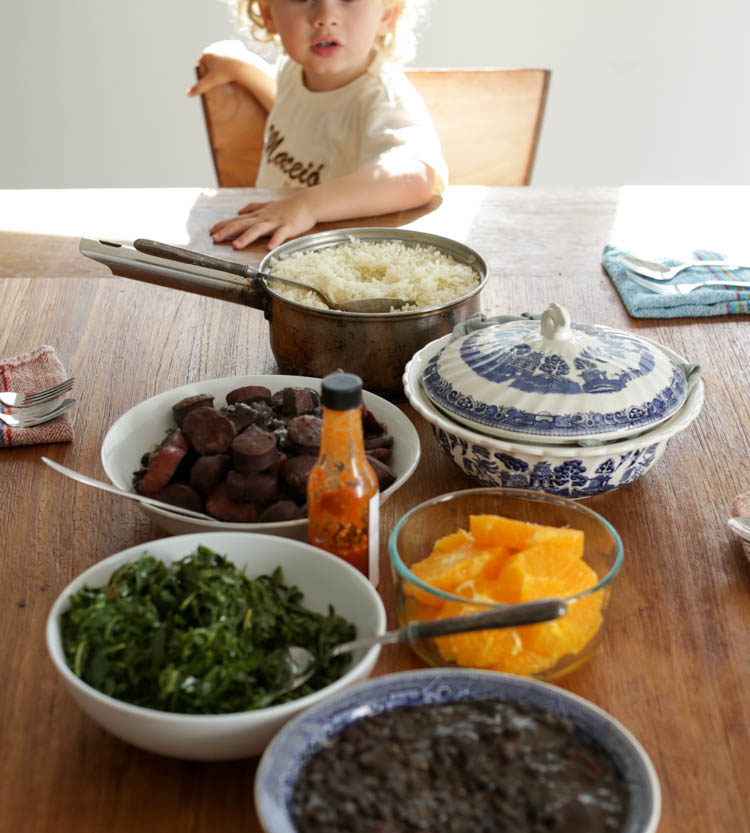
[466,551]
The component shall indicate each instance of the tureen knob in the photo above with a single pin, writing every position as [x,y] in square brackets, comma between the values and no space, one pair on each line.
[556,323]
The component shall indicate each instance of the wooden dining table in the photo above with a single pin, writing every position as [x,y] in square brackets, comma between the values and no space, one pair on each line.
[674,665]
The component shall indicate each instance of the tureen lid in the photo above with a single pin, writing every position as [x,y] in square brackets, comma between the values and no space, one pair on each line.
[555,382]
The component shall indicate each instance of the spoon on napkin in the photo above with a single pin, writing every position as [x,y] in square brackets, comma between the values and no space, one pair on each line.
[660,272]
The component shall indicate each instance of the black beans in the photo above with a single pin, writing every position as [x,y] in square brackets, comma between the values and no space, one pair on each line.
[478,766]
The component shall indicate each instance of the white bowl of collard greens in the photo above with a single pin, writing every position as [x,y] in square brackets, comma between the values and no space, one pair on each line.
[175,645]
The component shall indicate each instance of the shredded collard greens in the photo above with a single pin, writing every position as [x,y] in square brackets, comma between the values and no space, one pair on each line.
[197,636]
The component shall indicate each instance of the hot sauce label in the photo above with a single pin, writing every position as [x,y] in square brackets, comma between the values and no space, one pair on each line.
[374,540]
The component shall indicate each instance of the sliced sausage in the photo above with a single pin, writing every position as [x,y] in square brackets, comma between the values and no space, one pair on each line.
[208,431]
[303,434]
[296,470]
[182,408]
[252,488]
[254,450]
[383,472]
[208,471]
[247,394]
[180,494]
[291,402]
[370,424]
[265,416]
[382,454]
[219,505]
[282,510]
[277,464]
[163,464]
[378,441]
[241,414]
[281,436]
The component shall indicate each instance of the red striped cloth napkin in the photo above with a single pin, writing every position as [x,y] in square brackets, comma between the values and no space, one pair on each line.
[26,373]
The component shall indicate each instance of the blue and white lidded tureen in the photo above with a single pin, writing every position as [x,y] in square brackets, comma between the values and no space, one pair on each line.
[555,382]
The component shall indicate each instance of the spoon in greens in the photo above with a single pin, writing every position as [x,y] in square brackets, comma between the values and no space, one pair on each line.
[302,664]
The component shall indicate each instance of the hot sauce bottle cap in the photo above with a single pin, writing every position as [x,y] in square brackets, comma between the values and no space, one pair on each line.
[341,391]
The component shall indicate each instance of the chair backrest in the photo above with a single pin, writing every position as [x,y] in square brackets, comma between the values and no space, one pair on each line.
[488,121]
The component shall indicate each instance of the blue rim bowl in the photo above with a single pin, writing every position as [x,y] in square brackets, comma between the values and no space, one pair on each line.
[283,759]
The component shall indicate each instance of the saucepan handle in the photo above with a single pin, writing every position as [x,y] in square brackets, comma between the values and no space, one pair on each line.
[128,262]
[152,247]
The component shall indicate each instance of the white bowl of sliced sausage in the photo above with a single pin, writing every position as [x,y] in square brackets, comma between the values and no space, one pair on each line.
[239,450]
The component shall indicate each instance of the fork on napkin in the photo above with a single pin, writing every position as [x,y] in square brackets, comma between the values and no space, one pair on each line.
[701,303]
[40,368]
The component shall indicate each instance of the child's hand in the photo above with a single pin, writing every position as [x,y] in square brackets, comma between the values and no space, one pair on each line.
[225,61]
[280,219]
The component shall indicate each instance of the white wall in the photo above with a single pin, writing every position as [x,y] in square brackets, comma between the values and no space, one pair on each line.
[645,91]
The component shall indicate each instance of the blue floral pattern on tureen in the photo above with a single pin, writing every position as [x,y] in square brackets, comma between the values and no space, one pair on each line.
[532,370]
[572,478]
[606,366]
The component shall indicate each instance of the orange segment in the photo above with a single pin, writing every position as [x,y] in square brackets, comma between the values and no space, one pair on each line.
[524,662]
[475,649]
[570,633]
[454,559]
[481,649]
[545,569]
[490,530]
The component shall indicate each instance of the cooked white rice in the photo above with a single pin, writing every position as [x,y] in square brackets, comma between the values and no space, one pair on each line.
[370,269]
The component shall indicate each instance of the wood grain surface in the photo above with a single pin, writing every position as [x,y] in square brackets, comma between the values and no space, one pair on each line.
[674,666]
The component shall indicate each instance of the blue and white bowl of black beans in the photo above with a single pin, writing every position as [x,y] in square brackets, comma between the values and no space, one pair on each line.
[456,751]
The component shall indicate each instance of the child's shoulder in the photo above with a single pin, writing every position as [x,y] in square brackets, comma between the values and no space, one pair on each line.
[388,80]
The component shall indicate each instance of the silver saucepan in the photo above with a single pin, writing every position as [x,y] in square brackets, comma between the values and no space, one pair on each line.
[307,341]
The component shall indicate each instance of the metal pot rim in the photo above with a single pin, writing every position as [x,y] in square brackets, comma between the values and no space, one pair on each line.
[324,239]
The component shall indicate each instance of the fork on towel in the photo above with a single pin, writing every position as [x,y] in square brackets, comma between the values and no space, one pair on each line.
[682,288]
[37,417]
[23,400]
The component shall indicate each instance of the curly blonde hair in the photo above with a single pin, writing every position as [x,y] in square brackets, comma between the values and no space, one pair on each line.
[400,44]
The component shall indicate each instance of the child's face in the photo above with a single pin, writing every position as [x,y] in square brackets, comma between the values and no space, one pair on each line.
[331,39]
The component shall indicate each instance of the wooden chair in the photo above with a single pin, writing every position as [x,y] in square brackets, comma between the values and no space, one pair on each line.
[488,121]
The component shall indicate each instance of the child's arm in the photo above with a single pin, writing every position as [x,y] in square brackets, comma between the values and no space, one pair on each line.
[365,193]
[229,60]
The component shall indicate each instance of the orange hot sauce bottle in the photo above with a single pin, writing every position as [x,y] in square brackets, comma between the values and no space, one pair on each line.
[342,489]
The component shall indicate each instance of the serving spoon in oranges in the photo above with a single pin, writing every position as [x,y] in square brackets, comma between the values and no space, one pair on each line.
[302,664]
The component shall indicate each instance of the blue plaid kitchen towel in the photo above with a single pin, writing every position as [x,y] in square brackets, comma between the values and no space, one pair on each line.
[701,303]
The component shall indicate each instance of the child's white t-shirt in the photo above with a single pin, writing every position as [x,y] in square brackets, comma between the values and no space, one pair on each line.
[313,137]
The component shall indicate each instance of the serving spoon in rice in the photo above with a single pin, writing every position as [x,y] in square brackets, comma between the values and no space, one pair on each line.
[244,270]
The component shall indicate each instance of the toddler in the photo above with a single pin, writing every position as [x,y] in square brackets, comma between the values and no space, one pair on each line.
[345,127]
